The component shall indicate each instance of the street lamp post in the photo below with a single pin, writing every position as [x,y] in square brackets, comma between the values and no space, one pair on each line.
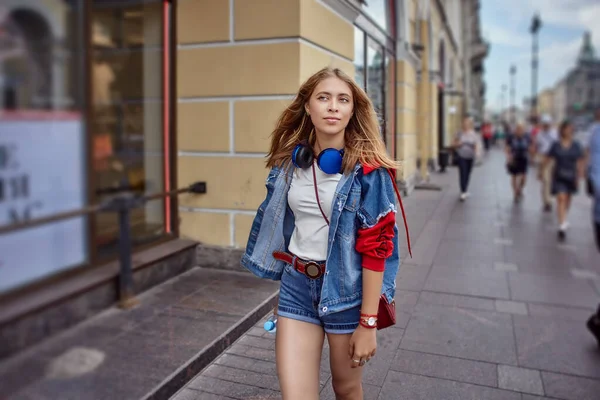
[536,24]
[513,73]
[504,87]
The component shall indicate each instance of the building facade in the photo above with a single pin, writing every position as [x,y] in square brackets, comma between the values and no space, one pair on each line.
[546,102]
[578,93]
[476,50]
[149,96]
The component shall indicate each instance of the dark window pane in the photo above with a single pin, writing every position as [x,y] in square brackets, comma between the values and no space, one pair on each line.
[375,78]
[127,128]
[359,57]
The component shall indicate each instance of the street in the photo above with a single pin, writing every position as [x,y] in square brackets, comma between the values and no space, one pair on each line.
[489,307]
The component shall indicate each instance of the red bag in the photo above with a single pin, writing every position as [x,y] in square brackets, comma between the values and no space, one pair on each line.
[386,314]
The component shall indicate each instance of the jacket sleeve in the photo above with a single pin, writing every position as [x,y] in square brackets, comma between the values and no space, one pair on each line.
[377,219]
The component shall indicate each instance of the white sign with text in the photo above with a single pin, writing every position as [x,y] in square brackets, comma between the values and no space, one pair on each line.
[42,167]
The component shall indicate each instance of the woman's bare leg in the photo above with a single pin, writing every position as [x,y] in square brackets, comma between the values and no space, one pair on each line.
[298,347]
[347,381]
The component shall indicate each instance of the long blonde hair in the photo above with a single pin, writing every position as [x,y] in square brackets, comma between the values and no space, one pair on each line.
[363,142]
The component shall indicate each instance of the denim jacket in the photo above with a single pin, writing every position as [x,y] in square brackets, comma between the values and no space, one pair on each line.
[359,202]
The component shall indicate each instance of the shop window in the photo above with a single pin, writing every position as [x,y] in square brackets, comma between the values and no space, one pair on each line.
[42,141]
[375,72]
[359,57]
[378,11]
[127,129]
[376,80]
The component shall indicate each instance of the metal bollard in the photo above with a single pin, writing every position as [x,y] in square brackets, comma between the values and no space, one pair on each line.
[122,204]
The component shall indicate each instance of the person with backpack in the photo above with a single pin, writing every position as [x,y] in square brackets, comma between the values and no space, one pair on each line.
[518,149]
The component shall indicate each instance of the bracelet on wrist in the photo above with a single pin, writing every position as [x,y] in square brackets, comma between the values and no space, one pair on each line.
[364,324]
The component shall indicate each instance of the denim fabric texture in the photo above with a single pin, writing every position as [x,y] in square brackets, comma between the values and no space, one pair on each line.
[299,299]
[359,202]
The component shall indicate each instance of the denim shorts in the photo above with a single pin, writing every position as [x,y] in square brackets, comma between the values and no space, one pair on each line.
[299,298]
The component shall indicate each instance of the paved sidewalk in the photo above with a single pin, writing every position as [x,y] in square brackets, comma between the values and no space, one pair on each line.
[178,327]
[490,307]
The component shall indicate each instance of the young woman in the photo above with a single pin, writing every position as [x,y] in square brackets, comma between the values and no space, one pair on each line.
[518,148]
[569,160]
[327,230]
[465,145]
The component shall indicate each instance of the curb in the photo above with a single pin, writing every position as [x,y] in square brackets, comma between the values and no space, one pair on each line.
[178,379]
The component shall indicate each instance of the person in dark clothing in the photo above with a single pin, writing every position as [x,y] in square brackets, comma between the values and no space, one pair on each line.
[569,160]
[518,148]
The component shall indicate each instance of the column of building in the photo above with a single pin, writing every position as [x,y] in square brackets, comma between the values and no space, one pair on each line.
[239,65]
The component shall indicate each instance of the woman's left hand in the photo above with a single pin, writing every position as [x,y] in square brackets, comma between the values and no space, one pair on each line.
[363,345]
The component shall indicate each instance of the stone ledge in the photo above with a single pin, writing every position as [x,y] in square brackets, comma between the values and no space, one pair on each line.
[29,318]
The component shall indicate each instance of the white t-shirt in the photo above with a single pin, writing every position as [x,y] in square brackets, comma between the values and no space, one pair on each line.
[467,141]
[309,239]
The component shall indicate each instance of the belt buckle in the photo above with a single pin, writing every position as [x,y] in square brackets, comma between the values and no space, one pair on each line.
[312,270]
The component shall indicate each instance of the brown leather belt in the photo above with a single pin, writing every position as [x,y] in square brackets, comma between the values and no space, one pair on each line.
[311,269]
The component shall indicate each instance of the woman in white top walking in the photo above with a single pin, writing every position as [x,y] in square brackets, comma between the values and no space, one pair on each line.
[327,230]
[465,144]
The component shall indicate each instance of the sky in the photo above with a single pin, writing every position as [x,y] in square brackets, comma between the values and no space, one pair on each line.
[505,24]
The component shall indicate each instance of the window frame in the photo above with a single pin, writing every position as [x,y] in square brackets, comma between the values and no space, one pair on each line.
[372,31]
[169,100]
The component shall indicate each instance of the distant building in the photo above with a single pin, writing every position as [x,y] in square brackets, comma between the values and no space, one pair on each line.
[578,93]
[560,100]
[546,102]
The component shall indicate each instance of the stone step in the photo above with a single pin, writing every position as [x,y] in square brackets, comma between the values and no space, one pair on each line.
[147,352]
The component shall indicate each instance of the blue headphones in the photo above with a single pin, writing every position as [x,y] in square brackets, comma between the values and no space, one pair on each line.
[329,160]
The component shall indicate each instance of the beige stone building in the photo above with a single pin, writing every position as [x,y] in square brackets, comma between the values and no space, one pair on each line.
[240,63]
[546,102]
[150,96]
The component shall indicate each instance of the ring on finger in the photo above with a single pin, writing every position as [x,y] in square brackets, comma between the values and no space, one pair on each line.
[356,361]
[362,362]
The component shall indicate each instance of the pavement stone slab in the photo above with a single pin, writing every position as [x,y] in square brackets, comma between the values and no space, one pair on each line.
[505,267]
[532,397]
[511,307]
[370,392]
[464,252]
[556,345]
[242,376]
[570,387]
[191,394]
[388,342]
[455,300]
[520,379]
[412,277]
[467,281]
[231,389]
[552,290]
[569,313]
[399,385]
[250,364]
[455,369]
[456,332]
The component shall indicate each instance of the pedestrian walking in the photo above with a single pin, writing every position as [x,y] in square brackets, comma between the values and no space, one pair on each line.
[488,134]
[327,230]
[465,145]
[593,162]
[518,148]
[568,158]
[544,141]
